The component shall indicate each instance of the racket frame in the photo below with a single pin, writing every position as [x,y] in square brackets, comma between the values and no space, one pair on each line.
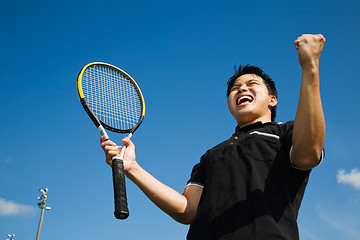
[98,123]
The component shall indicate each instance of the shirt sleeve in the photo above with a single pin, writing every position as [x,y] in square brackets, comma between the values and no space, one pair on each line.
[287,134]
[197,176]
[287,141]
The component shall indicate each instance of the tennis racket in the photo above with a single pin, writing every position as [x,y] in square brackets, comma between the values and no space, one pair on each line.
[113,101]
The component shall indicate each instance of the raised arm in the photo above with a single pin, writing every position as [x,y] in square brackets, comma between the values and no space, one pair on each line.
[309,126]
[182,208]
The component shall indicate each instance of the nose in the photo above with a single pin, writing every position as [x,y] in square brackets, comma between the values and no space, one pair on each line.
[243,88]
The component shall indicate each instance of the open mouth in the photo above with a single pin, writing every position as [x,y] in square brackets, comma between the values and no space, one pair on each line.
[244,100]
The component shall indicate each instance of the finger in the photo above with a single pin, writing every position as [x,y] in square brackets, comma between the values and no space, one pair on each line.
[103,139]
[109,161]
[110,148]
[112,153]
[296,43]
[304,39]
[321,38]
[107,143]
[312,37]
[300,40]
[128,143]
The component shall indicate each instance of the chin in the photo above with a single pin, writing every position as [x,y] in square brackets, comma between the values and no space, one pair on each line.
[247,118]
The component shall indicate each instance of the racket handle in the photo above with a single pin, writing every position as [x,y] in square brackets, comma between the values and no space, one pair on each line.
[121,206]
[103,132]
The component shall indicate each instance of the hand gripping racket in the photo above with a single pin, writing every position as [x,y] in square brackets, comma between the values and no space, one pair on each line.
[113,101]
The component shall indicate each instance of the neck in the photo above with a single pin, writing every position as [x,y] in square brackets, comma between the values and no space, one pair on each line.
[252,121]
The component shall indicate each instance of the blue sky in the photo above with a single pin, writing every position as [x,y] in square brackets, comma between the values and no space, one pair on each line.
[181,53]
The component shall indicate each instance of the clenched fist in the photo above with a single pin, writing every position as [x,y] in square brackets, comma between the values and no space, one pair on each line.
[309,48]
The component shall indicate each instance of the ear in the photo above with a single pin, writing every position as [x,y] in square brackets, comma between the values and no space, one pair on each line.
[273,101]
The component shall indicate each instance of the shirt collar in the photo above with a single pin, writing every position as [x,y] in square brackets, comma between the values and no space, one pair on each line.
[252,126]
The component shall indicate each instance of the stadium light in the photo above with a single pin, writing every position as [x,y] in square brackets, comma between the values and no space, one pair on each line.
[11,237]
[42,206]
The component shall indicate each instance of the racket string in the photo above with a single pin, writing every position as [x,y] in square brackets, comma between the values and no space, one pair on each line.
[111,97]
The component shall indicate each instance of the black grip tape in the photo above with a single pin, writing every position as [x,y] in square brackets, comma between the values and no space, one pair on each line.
[121,206]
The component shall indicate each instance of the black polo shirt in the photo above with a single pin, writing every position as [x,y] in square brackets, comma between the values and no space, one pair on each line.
[251,190]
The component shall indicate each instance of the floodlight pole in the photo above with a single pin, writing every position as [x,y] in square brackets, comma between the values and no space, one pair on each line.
[40,223]
[41,205]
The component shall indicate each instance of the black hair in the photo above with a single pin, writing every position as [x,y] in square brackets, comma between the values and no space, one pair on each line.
[249,69]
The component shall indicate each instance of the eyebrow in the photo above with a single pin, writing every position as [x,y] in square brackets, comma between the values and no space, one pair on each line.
[250,80]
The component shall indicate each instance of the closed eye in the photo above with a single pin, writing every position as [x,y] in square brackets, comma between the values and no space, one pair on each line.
[251,83]
[234,88]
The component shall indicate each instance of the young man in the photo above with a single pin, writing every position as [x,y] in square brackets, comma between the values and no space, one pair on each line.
[251,185]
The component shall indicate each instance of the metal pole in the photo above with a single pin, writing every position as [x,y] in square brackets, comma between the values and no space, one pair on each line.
[40,223]
[41,205]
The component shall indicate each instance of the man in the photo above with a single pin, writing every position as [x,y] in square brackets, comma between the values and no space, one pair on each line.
[251,185]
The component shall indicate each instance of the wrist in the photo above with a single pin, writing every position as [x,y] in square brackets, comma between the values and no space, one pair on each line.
[310,71]
[133,170]
[310,77]
[311,67]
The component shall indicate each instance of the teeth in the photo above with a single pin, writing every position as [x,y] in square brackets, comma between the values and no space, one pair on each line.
[243,98]
[246,97]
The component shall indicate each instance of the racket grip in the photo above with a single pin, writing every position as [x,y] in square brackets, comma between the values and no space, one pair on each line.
[120,200]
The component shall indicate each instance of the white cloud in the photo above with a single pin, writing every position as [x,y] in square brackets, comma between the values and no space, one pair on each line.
[10,208]
[352,178]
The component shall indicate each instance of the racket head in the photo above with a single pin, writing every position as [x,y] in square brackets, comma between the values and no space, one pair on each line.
[111,97]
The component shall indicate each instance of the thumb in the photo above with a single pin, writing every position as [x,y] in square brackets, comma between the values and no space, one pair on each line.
[128,143]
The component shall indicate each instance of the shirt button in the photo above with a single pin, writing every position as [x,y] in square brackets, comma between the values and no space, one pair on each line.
[236,137]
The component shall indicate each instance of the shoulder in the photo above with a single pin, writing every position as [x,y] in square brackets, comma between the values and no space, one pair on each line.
[274,129]
[282,129]
[280,125]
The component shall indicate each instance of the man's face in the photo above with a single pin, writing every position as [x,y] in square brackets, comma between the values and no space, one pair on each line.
[249,100]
